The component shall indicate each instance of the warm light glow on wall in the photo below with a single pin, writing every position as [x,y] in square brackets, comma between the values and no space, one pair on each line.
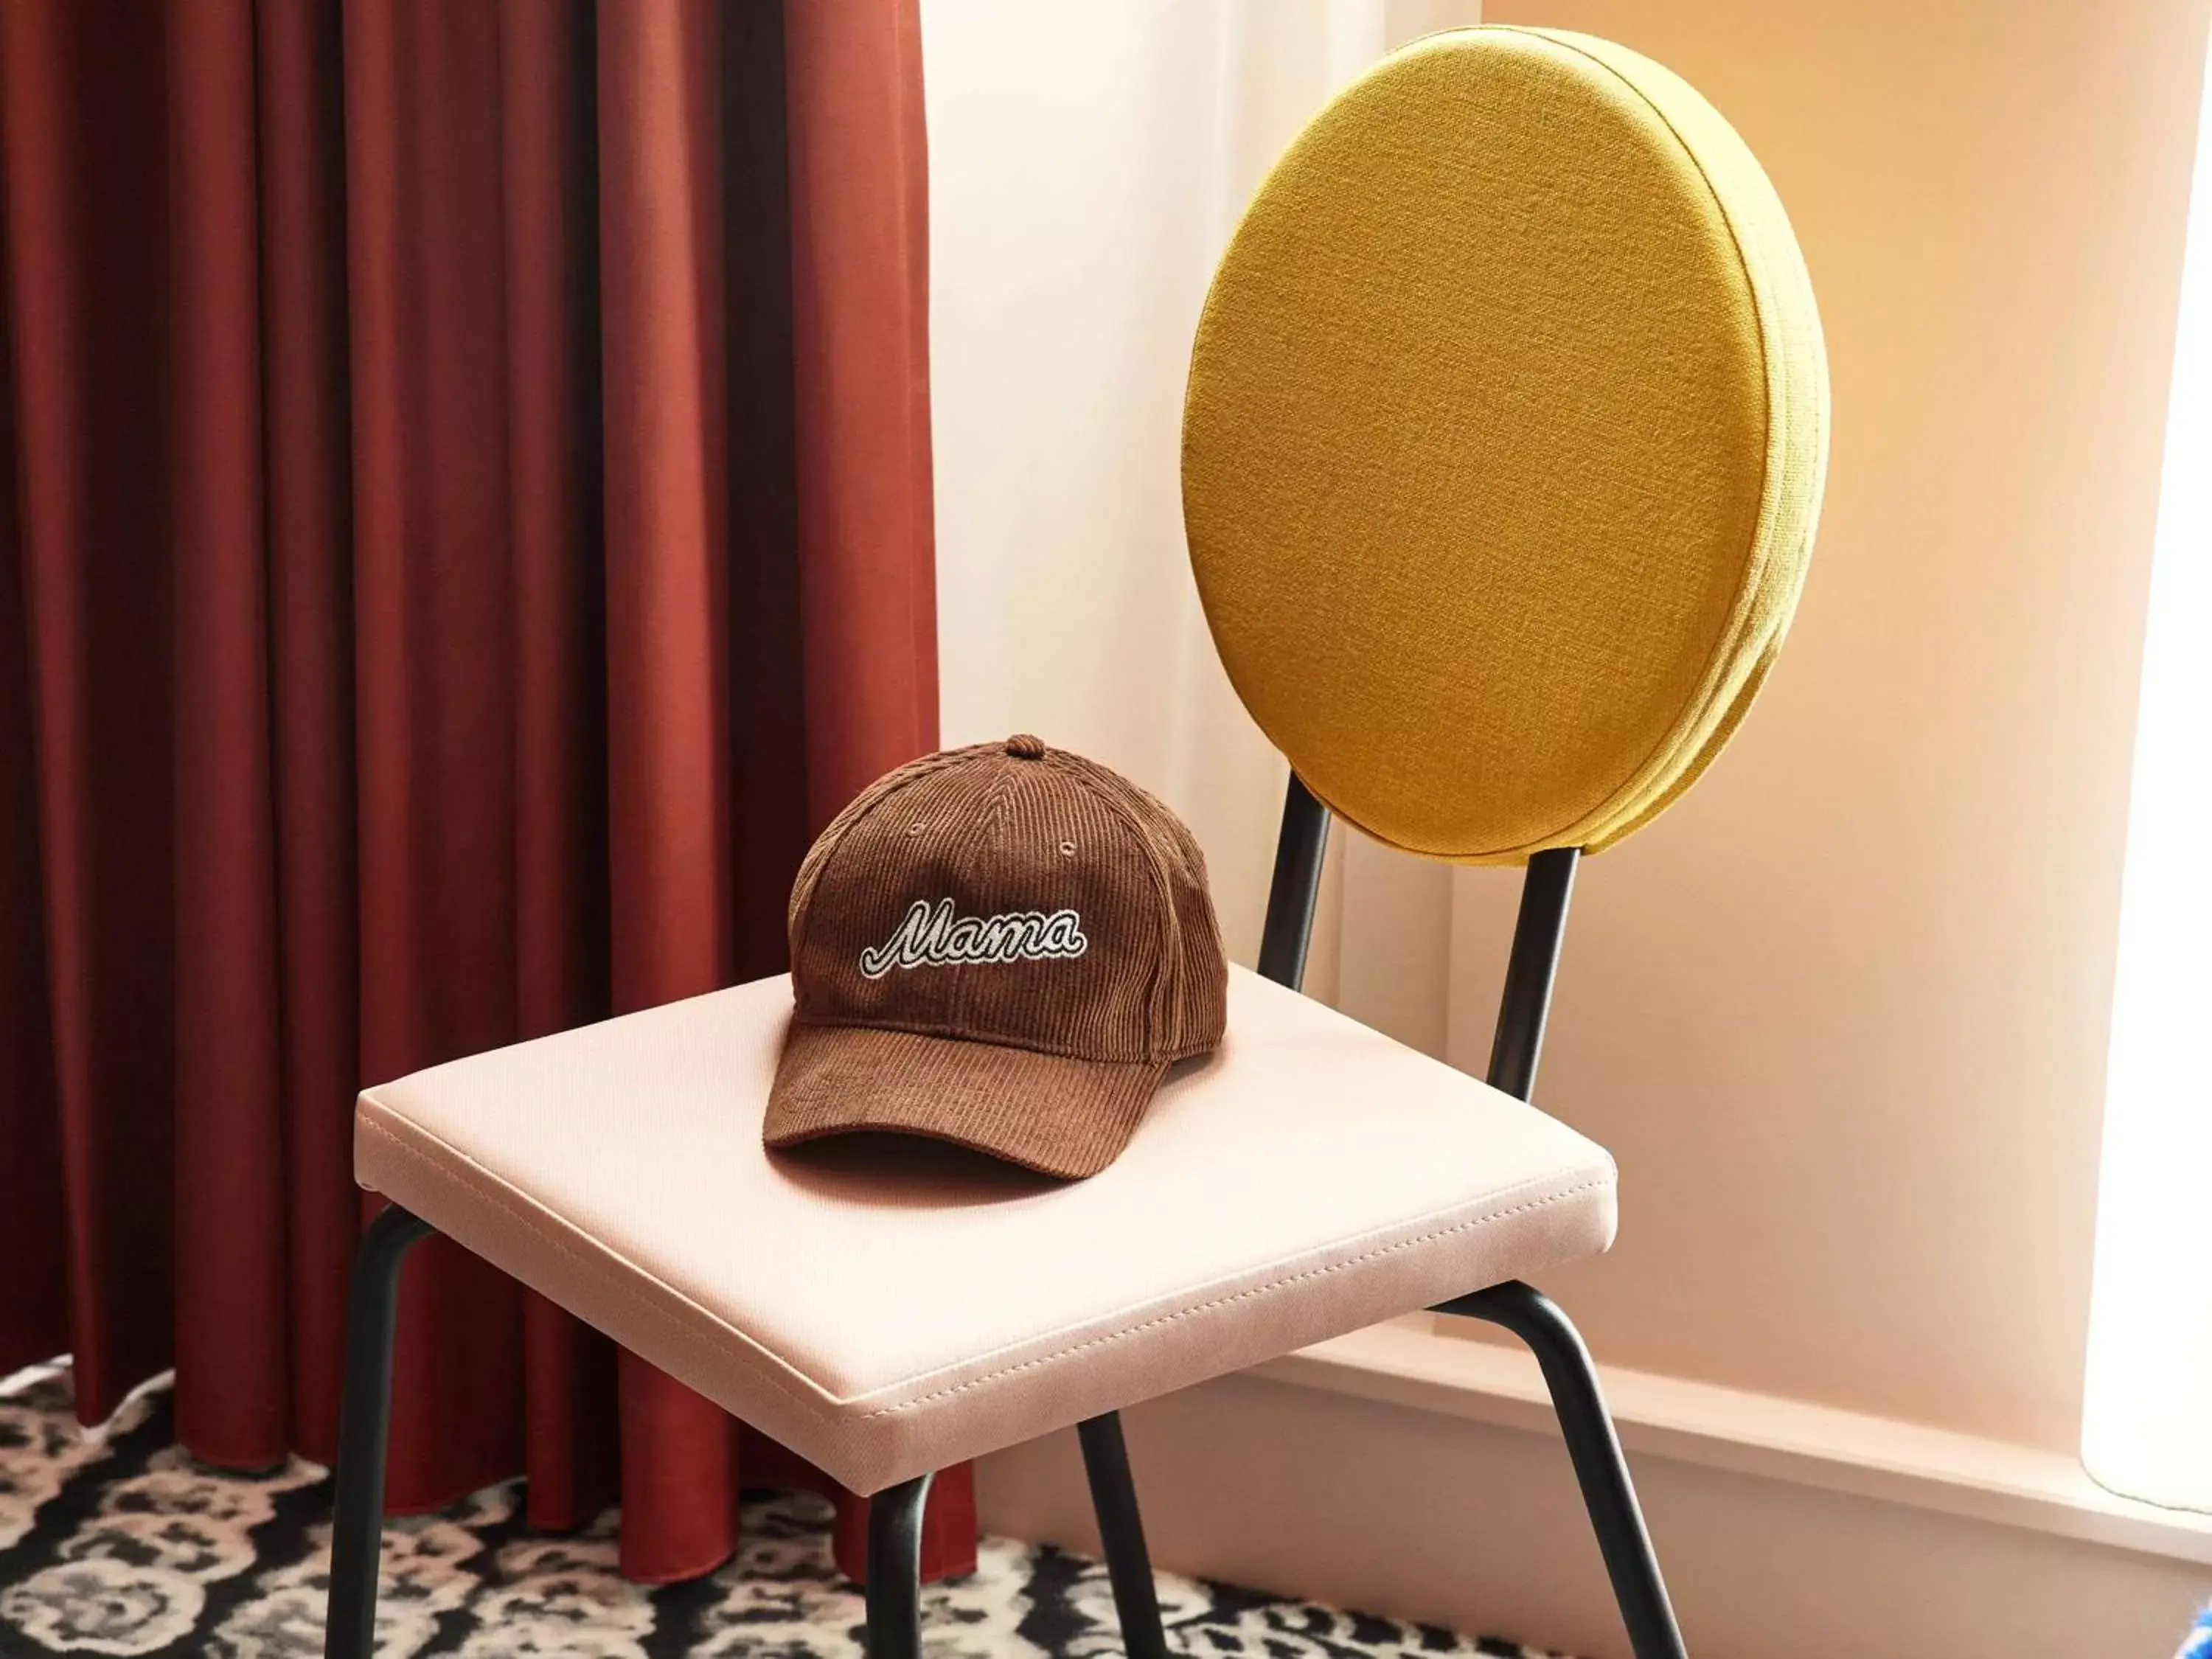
[2147,1424]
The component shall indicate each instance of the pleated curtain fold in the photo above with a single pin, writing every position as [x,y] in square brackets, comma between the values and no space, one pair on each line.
[465,522]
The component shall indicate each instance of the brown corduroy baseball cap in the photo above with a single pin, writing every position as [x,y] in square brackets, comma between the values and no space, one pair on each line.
[1006,946]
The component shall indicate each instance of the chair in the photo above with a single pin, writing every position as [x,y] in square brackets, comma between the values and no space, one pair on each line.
[1502,448]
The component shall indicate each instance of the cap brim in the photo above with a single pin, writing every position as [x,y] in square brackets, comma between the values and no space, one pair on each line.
[1050,1113]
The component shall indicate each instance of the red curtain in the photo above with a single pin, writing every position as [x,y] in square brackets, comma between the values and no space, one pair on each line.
[464,520]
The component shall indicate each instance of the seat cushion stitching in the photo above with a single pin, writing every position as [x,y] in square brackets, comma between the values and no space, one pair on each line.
[803,1389]
[1239,1296]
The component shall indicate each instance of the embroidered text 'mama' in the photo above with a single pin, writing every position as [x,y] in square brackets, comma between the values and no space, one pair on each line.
[929,936]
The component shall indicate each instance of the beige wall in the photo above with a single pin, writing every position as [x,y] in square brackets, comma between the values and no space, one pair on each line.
[1842,1015]
[1075,217]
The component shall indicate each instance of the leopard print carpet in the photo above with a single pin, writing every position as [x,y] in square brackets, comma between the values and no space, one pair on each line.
[116,1542]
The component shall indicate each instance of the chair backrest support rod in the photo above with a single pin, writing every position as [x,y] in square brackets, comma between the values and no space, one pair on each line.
[1526,1005]
[1296,884]
[1533,965]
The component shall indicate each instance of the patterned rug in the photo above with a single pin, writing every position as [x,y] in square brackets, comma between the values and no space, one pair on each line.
[116,1542]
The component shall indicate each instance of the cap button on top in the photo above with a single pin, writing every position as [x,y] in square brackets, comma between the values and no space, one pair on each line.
[1022,746]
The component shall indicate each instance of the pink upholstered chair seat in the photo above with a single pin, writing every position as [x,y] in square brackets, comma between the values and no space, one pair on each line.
[890,1306]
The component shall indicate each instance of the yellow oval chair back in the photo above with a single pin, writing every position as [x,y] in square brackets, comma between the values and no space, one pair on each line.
[1503,444]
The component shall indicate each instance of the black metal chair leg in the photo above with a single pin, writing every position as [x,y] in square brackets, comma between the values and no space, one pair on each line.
[895,1570]
[1113,1497]
[364,1430]
[1607,1492]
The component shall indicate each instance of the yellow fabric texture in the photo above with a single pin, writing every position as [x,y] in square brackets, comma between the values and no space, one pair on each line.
[1503,444]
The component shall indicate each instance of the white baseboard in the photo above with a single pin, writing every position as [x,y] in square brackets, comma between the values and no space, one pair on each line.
[1412,1364]
[1408,1473]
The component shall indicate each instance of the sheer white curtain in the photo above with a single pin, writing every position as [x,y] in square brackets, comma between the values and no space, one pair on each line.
[1087,163]
[2147,1407]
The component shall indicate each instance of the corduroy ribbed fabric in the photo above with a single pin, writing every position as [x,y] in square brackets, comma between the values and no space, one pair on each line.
[1006,946]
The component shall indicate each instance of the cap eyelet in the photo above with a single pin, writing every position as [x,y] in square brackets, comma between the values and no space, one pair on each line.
[1067,849]
[915,828]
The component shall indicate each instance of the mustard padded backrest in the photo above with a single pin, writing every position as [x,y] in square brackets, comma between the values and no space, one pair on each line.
[1503,444]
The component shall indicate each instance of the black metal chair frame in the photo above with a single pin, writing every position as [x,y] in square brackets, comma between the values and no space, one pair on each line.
[894,1586]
